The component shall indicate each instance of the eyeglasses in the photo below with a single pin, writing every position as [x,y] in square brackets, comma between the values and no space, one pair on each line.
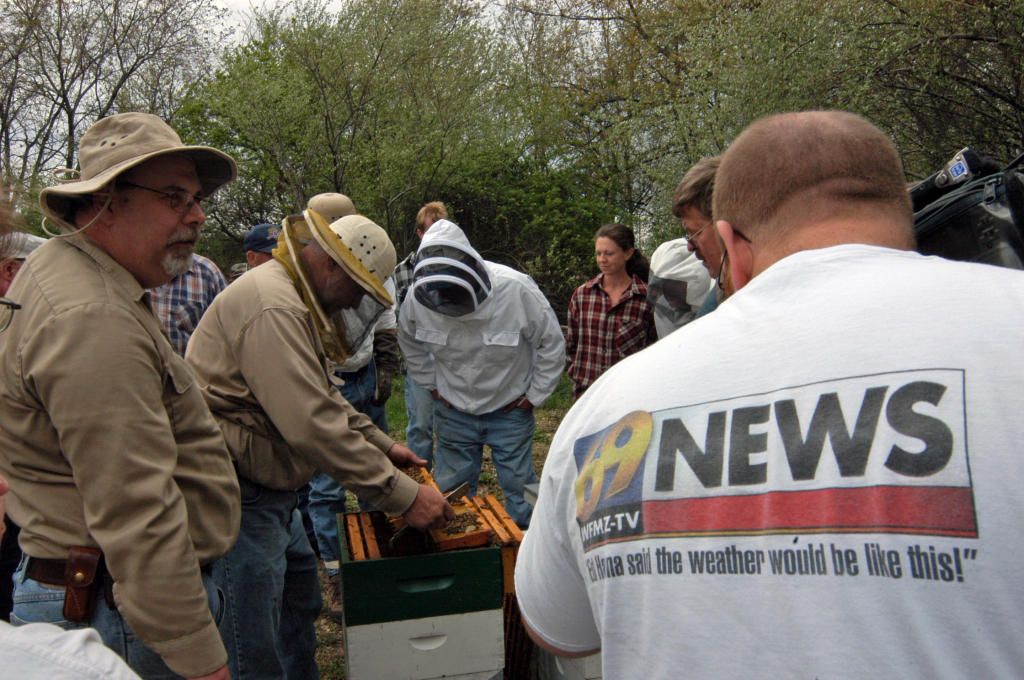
[723,265]
[722,269]
[7,308]
[694,235]
[179,200]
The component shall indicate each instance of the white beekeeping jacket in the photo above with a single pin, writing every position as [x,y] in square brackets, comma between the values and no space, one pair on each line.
[364,353]
[479,332]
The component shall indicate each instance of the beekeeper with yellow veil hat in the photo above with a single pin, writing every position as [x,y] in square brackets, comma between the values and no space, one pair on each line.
[363,250]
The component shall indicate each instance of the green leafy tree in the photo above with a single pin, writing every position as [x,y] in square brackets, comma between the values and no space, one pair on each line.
[379,101]
[393,104]
[953,77]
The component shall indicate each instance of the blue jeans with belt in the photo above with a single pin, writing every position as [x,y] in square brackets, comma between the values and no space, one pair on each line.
[326,496]
[269,579]
[36,602]
[460,440]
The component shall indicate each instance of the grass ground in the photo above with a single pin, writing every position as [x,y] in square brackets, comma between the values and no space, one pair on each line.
[330,643]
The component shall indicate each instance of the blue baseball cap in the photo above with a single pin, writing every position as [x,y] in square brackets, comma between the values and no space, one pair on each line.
[262,238]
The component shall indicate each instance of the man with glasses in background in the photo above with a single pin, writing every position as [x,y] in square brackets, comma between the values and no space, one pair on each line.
[691,203]
[120,478]
[419,404]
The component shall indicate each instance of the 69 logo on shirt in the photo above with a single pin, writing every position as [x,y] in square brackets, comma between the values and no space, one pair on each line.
[611,472]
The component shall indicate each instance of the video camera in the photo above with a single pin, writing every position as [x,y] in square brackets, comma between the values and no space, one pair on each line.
[972,209]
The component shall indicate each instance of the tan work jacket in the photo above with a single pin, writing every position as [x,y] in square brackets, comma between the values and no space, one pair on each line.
[106,442]
[261,366]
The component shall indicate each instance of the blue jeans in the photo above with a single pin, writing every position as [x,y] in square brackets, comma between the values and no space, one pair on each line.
[35,602]
[273,592]
[460,440]
[326,496]
[419,433]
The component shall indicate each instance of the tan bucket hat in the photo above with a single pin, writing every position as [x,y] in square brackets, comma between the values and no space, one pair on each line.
[332,207]
[117,143]
[361,247]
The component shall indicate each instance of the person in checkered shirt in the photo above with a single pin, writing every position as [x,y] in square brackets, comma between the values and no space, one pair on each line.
[181,303]
[609,316]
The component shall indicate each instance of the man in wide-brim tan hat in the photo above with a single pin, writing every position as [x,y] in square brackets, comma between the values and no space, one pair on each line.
[119,475]
[262,356]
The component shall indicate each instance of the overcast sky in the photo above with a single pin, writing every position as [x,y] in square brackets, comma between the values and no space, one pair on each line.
[239,8]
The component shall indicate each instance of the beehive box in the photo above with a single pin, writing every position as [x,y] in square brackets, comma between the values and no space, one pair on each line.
[414,611]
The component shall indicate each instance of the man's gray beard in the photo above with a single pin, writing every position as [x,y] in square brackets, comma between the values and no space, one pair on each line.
[175,265]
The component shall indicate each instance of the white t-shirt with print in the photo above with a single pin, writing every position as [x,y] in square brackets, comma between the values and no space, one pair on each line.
[828,486]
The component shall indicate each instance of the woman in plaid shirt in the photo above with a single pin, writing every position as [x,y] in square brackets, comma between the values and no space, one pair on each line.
[609,317]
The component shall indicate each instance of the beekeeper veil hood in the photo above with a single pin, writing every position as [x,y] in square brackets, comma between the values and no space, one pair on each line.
[678,284]
[358,246]
[450,276]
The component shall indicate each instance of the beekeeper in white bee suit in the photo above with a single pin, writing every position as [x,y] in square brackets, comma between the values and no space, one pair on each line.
[678,284]
[483,339]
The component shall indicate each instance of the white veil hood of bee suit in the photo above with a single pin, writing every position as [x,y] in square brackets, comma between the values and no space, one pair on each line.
[475,280]
[672,260]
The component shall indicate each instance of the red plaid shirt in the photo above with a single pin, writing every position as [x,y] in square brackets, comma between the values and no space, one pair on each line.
[600,335]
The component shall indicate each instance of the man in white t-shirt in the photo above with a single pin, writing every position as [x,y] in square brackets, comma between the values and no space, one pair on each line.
[836,492]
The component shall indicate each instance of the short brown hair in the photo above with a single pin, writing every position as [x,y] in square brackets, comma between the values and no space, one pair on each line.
[697,187]
[787,169]
[430,213]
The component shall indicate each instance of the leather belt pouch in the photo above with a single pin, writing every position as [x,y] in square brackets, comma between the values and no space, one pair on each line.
[82,573]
